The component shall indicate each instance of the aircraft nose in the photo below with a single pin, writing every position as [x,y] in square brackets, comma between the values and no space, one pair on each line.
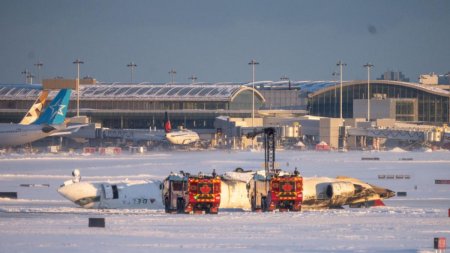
[69,192]
[83,193]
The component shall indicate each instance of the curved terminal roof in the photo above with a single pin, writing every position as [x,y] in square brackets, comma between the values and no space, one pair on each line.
[318,87]
[19,91]
[205,92]
[195,92]
[143,91]
[305,86]
[426,88]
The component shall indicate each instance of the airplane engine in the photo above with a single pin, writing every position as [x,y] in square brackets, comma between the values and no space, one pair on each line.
[339,192]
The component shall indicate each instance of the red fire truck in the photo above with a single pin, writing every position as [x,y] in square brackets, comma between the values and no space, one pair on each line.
[276,189]
[276,192]
[285,193]
[185,193]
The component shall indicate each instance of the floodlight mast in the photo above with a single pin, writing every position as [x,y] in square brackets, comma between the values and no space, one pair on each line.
[368,66]
[25,73]
[253,63]
[340,64]
[132,66]
[172,74]
[193,78]
[334,74]
[285,78]
[78,62]
[39,65]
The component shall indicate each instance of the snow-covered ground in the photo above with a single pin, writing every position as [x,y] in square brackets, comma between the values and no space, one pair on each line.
[43,221]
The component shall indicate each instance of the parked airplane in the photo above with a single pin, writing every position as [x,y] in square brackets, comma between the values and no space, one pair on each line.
[35,111]
[318,193]
[181,136]
[48,123]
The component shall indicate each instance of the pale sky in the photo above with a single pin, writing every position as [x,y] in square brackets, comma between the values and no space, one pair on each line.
[215,40]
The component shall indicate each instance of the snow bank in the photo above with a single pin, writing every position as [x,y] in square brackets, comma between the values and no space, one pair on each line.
[398,150]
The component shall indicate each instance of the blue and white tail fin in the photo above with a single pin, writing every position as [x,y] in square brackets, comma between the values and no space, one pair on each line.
[55,113]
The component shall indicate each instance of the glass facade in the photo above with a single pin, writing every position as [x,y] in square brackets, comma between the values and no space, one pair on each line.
[432,108]
[143,106]
[404,110]
[244,101]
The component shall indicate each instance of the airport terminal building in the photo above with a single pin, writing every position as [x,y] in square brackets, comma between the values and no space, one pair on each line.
[408,101]
[139,106]
[196,106]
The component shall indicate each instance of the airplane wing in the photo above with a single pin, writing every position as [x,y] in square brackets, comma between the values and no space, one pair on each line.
[72,129]
[76,127]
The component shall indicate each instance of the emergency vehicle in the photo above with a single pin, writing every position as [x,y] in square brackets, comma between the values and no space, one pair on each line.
[186,193]
[275,190]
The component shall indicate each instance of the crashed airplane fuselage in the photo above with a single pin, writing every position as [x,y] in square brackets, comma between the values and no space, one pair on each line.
[318,193]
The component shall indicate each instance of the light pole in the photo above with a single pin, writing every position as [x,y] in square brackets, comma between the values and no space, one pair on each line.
[172,74]
[193,78]
[25,73]
[340,64]
[285,78]
[39,65]
[30,77]
[368,66]
[253,63]
[78,62]
[334,74]
[132,65]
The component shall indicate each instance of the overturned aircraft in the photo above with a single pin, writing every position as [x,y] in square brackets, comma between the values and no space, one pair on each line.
[318,192]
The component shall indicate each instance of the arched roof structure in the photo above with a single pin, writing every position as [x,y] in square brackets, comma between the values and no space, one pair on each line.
[429,89]
[143,91]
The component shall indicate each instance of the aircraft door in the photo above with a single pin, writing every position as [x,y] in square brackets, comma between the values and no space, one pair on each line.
[107,189]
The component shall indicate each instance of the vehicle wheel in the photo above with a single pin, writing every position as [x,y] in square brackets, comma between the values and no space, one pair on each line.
[264,204]
[180,205]
[166,205]
[214,210]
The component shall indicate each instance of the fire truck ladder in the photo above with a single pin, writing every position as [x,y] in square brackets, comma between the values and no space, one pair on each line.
[269,148]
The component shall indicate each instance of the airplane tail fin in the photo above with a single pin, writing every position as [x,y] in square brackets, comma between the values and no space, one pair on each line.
[55,113]
[167,125]
[35,110]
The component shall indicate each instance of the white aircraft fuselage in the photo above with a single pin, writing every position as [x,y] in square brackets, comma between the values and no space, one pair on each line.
[318,193]
[47,123]
[105,195]
[182,137]
[17,134]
